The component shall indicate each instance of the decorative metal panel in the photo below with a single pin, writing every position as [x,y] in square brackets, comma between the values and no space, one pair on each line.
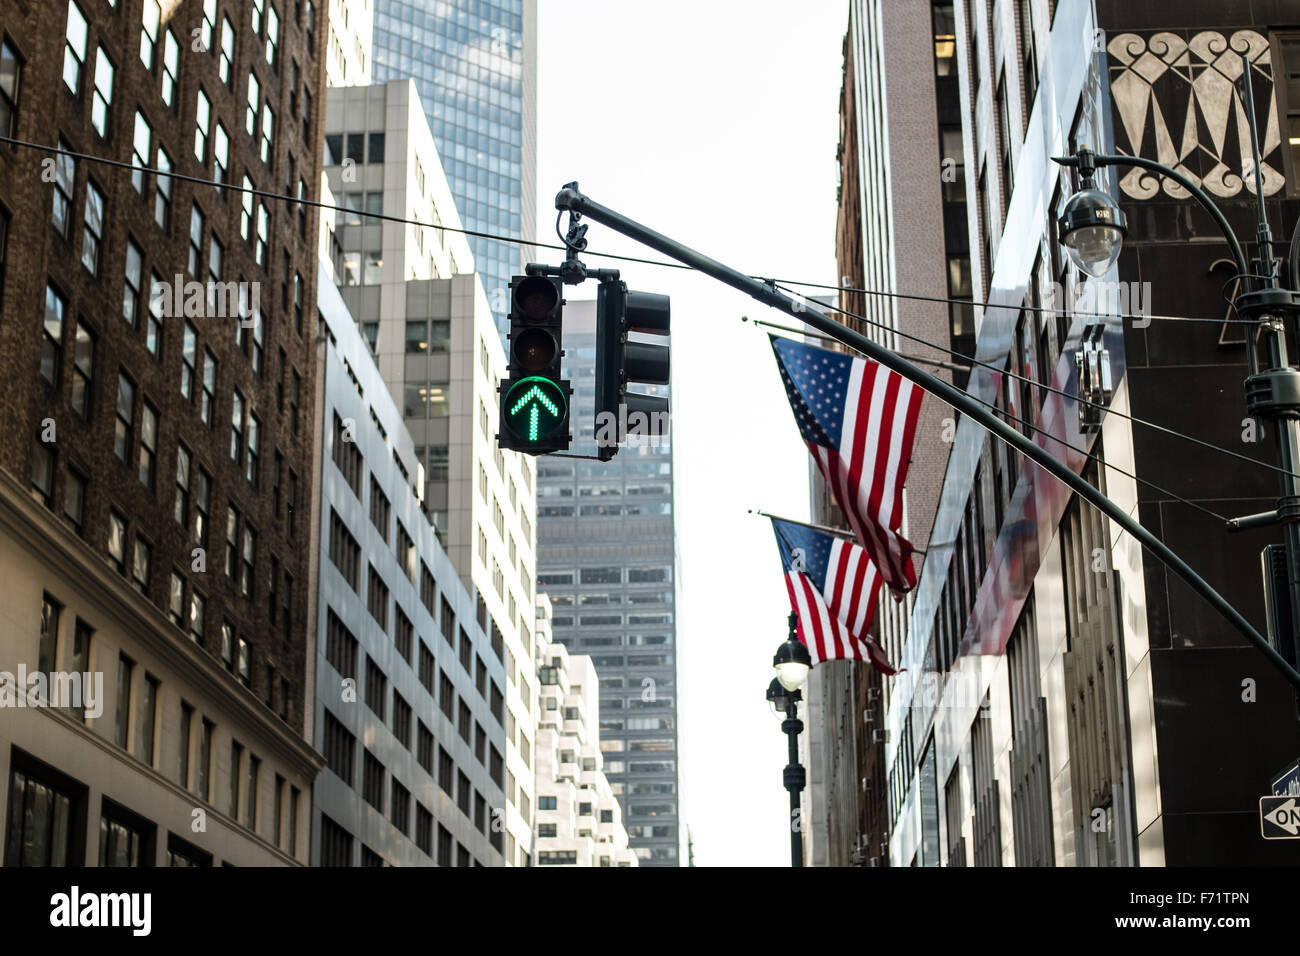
[1178,100]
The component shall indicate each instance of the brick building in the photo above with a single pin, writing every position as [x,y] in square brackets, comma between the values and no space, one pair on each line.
[156,478]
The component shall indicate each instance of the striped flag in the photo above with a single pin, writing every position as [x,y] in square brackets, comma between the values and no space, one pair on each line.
[859,420]
[833,589]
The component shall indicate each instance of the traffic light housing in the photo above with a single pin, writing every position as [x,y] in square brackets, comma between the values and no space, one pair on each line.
[620,362]
[534,399]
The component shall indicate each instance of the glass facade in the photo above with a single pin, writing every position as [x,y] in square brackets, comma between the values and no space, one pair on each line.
[605,557]
[469,63]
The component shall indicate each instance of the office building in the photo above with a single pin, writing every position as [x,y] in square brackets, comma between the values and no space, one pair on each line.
[606,559]
[579,822]
[422,309]
[410,708]
[1067,701]
[347,57]
[157,380]
[475,65]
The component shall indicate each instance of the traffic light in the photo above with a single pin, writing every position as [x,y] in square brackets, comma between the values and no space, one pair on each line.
[534,399]
[620,413]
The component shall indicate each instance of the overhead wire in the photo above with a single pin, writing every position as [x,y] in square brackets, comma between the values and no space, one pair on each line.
[974,362]
[783,284]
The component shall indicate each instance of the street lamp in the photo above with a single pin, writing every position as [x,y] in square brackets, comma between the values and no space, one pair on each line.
[1092,230]
[792,664]
[1092,225]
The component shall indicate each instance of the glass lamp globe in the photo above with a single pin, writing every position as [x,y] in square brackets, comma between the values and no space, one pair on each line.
[792,664]
[1092,230]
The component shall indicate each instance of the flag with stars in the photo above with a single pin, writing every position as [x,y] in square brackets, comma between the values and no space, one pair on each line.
[833,588]
[859,421]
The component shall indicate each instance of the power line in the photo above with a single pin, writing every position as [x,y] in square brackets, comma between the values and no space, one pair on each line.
[513,240]
[1014,308]
[1064,394]
[779,284]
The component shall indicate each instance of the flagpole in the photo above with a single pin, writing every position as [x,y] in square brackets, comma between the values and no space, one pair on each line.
[843,533]
[571,199]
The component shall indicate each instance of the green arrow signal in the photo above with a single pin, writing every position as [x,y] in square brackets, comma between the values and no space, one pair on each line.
[530,403]
[535,392]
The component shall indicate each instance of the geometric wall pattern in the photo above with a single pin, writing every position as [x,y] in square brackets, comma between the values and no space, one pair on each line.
[1180,102]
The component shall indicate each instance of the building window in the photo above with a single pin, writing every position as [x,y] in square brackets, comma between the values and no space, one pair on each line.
[162,206]
[340,647]
[74,49]
[103,95]
[92,237]
[142,146]
[74,501]
[376,689]
[377,598]
[148,444]
[170,66]
[345,553]
[372,781]
[207,400]
[133,291]
[250,791]
[340,748]
[42,821]
[122,716]
[154,321]
[203,761]
[11,70]
[64,172]
[226,56]
[52,341]
[122,436]
[221,155]
[43,473]
[403,635]
[248,556]
[198,616]
[400,810]
[254,441]
[401,720]
[148,718]
[195,263]
[151,18]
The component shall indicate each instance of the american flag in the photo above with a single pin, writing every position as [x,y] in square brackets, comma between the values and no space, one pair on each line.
[859,420]
[833,589]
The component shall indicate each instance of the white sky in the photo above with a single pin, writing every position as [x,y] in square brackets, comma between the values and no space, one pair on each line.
[714,122]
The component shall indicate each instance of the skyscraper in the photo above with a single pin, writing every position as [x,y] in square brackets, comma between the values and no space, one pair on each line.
[157,473]
[422,310]
[605,556]
[475,65]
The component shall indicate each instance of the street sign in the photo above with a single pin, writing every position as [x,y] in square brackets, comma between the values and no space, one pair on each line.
[534,407]
[1287,783]
[1279,818]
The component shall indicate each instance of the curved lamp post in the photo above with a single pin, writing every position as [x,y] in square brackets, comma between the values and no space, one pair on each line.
[792,664]
[1092,230]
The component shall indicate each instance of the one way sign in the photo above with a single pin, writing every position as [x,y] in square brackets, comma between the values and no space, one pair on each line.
[1279,818]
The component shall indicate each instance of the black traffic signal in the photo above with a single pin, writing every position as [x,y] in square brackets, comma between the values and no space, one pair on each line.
[619,362]
[534,399]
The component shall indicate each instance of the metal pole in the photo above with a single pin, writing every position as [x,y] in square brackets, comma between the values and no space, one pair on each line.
[767,293]
[1288,428]
[794,777]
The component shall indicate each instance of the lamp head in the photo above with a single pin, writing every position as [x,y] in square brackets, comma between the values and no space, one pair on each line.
[1092,228]
[792,663]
